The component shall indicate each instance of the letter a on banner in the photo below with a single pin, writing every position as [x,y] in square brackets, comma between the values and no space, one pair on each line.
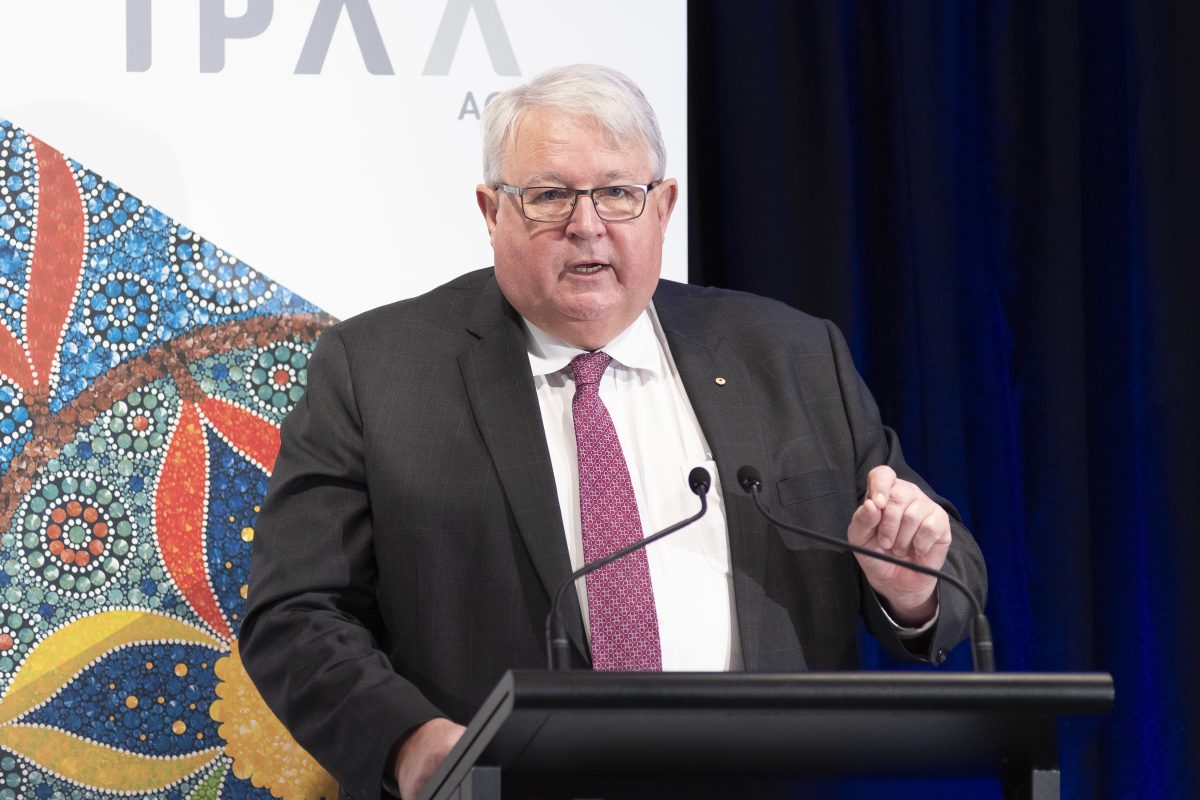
[366,32]
[450,31]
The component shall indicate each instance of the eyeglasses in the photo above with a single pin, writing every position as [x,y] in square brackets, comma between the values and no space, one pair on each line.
[556,203]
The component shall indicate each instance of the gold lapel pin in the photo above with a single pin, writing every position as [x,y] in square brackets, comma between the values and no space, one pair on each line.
[719,381]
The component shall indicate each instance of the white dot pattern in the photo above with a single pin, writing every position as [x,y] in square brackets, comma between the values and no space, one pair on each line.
[621,613]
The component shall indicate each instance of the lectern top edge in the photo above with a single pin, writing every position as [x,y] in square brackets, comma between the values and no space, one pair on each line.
[1070,693]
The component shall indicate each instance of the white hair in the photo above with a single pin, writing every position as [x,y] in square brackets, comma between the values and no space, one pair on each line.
[585,90]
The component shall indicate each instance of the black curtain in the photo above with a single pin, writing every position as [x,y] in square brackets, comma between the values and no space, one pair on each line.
[997,202]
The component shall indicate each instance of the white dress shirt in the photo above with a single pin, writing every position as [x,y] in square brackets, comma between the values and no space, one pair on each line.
[662,441]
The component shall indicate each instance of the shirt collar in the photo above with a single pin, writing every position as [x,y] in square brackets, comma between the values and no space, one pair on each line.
[635,347]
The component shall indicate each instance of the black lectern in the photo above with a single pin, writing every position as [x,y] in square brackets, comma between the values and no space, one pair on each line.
[635,736]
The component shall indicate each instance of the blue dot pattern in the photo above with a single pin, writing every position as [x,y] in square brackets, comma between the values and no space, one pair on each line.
[96,704]
[237,484]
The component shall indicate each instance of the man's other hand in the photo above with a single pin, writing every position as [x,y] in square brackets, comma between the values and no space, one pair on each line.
[899,519]
[420,753]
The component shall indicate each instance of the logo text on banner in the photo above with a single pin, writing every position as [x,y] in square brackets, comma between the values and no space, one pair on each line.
[215,27]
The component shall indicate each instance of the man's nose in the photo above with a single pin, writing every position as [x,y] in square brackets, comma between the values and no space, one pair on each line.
[584,222]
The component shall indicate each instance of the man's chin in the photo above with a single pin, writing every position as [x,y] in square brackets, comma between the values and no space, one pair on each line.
[588,331]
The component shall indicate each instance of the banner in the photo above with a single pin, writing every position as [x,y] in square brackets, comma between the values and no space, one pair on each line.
[234,170]
[144,373]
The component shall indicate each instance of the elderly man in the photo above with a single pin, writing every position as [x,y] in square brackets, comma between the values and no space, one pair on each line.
[457,454]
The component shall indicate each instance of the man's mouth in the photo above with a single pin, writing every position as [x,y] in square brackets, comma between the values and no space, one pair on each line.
[587,269]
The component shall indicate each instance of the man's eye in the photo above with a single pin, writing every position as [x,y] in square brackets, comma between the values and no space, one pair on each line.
[614,193]
[549,195]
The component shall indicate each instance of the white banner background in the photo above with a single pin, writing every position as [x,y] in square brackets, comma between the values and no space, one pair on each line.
[350,188]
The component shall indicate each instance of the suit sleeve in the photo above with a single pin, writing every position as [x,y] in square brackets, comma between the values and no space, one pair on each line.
[312,637]
[875,444]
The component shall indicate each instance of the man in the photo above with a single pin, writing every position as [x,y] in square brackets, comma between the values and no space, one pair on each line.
[442,474]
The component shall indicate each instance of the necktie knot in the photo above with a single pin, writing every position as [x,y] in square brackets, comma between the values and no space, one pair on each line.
[587,368]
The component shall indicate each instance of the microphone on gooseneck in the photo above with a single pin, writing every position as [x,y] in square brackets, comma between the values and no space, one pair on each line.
[557,644]
[981,634]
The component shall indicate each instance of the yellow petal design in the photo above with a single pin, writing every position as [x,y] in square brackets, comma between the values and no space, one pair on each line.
[62,654]
[98,765]
[263,751]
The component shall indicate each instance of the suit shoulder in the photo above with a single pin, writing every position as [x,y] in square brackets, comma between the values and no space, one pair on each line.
[437,313]
[724,312]
[700,298]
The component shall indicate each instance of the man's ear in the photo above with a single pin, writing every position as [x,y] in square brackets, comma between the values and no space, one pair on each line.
[489,205]
[663,198]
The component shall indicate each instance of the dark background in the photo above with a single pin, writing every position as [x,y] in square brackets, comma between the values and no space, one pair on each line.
[997,202]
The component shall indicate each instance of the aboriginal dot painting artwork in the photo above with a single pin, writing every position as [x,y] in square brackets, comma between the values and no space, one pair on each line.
[144,373]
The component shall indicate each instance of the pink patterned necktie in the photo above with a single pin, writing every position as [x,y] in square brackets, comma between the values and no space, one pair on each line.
[621,614]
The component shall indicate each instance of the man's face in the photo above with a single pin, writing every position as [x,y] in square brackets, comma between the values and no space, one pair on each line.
[548,270]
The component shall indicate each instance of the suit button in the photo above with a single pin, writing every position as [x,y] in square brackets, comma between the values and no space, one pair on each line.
[941,656]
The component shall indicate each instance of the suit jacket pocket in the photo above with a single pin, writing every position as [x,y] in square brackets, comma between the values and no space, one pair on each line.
[806,486]
[812,500]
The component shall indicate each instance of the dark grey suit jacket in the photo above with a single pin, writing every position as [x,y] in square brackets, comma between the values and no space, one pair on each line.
[411,536]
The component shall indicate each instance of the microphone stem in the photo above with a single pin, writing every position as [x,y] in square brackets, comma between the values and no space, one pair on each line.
[556,635]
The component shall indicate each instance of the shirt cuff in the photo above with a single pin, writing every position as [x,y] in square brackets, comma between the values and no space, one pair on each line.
[910,633]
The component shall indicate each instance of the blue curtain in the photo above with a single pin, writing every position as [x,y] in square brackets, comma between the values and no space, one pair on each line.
[998,203]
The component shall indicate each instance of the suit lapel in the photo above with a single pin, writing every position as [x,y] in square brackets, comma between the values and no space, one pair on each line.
[721,394]
[498,381]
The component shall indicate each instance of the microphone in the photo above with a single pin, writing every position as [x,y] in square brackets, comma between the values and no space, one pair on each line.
[981,633]
[557,644]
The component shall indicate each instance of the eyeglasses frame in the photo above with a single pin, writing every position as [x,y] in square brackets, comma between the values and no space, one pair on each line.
[519,191]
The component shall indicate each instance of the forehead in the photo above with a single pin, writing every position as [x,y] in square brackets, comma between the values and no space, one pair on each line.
[553,146]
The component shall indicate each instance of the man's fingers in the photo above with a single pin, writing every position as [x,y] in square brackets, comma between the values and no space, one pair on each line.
[879,484]
[911,518]
[903,521]
[862,524]
[934,531]
[899,499]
